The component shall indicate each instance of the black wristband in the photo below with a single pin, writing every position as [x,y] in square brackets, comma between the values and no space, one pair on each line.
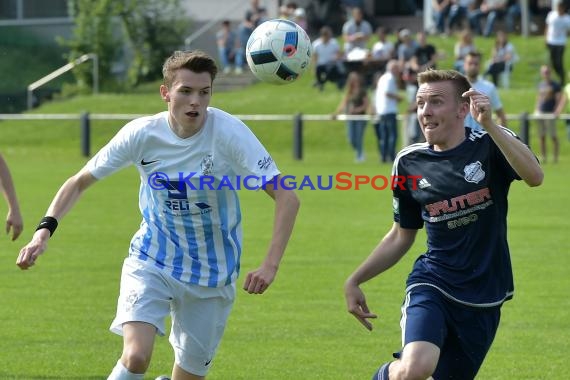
[48,222]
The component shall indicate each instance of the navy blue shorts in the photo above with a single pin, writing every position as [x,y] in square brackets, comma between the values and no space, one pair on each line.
[464,334]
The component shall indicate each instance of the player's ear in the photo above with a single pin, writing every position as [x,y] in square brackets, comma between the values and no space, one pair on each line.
[463,109]
[164,93]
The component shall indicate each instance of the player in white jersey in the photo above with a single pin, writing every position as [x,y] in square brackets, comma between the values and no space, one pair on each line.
[14,218]
[184,259]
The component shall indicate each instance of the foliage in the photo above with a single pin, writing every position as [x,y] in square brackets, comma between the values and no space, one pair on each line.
[93,33]
[134,33]
[154,30]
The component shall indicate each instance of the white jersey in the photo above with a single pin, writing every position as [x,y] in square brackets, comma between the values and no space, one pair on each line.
[558,28]
[191,226]
[326,52]
[383,103]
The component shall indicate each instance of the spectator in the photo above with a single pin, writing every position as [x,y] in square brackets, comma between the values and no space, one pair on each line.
[284,12]
[540,8]
[463,46]
[425,55]
[386,100]
[355,102]
[327,60]
[382,50]
[561,107]
[349,6]
[406,52]
[489,9]
[300,18]
[557,28]
[356,32]
[291,7]
[406,47]
[547,98]
[440,10]
[513,15]
[472,66]
[254,16]
[228,47]
[372,111]
[458,12]
[503,58]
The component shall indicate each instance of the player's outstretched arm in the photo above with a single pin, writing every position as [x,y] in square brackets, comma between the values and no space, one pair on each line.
[387,253]
[286,208]
[14,218]
[64,200]
[519,156]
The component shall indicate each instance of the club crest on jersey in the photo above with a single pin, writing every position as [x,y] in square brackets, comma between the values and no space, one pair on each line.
[474,172]
[207,165]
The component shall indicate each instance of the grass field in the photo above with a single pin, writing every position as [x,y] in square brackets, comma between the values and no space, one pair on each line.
[55,317]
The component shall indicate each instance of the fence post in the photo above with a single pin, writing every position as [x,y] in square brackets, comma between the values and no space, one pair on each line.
[298,136]
[525,127]
[85,134]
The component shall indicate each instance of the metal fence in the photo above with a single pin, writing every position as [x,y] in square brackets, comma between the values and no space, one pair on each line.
[297,120]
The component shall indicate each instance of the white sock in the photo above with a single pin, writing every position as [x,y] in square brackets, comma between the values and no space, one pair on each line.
[120,372]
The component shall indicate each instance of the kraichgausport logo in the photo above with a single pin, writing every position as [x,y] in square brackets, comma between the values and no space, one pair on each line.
[184,181]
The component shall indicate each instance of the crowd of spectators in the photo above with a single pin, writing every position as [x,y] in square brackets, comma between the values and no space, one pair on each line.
[357,58]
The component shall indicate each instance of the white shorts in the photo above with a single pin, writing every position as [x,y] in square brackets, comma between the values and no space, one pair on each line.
[199,314]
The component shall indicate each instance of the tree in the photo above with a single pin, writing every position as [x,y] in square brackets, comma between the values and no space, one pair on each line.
[138,34]
[154,30]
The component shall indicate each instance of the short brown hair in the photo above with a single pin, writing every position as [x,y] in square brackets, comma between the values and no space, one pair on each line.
[474,54]
[196,61]
[460,82]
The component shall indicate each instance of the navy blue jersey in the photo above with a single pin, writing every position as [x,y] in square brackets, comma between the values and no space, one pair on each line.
[461,197]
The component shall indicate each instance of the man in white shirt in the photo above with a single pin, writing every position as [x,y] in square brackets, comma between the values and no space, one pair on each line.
[327,60]
[472,67]
[386,103]
[556,34]
[383,49]
[184,259]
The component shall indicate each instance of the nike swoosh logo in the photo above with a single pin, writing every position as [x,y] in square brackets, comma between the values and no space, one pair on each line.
[208,362]
[144,163]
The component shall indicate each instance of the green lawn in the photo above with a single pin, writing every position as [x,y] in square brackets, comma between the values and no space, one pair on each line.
[55,317]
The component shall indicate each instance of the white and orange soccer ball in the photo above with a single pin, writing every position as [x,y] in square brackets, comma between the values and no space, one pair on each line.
[278,51]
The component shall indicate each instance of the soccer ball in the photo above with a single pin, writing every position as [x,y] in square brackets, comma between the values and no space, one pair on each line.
[278,51]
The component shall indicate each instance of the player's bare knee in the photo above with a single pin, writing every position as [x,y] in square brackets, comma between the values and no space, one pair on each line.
[415,370]
[414,374]
[136,361]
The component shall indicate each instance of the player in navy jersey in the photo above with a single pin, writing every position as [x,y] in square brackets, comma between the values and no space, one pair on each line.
[456,288]
[185,257]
